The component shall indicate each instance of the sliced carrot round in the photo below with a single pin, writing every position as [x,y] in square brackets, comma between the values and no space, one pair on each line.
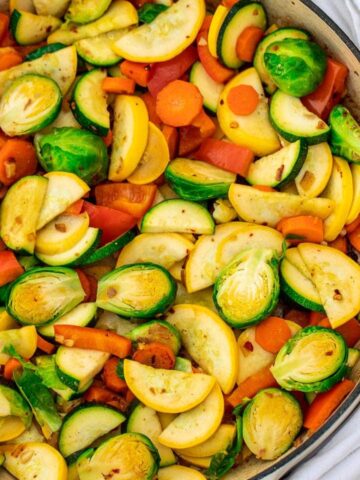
[272,333]
[243,99]
[155,354]
[179,103]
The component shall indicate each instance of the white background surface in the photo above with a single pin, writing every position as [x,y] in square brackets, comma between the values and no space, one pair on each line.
[339,459]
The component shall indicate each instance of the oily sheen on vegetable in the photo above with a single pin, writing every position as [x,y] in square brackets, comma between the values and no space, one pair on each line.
[179,239]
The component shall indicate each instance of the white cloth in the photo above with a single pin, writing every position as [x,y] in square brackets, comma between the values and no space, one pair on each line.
[339,459]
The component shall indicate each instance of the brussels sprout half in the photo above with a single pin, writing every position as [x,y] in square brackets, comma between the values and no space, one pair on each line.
[73,150]
[296,66]
[43,294]
[345,134]
[247,289]
[271,422]
[312,361]
[139,290]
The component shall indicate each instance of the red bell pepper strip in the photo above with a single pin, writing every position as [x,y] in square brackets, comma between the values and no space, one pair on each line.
[45,346]
[127,197]
[113,223]
[329,92]
[165,72]
[226,155]
[10,268]
[93,339]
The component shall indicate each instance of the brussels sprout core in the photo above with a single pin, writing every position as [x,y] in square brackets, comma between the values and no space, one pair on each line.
[271,422]
[296,66]
[312,361]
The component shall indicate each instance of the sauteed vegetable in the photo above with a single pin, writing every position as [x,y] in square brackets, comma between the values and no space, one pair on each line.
[180,236]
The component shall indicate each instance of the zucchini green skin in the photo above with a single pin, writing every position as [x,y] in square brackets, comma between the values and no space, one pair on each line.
[280,34]
[96,51]
[17,27]
[69,279]
[157,331]
[209,89]
[285,354]
[110,248]
[85,424]
[271,265]
[79,106]
[345,134]
[73,150]
[253,425]
[18,406]
[39,398]
[222,45]
[39,52]
[107,286]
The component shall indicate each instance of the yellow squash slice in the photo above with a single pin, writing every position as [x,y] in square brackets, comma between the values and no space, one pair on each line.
[10,428]
[202,462]
[336,278]
[154,159]
[215,25]
[340,190]
[6,321]
[249,204]
[131,121]
[315,172]
[218,442]
[24,340]
[197,425]
[63,190]
[168,391]
[35,460]
[209,341]
[355,206]
[255,130]
[61,234]
[161,248]
[177,472]
[165,37]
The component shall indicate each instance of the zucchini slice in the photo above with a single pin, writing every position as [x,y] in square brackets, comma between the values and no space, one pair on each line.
[85,424]
[89,103]
[63,189]
[280,168]
[22,339]
[98,50]
[20,211]
[82,315]
[298,288]
[28,28]
[40,459]
[279,34]
[355,205]
[209,341]
[76,254]
[294,121]
[179,216]
[58,290]
[60,66]
[29,104]
[336,278]
[61,233]
[86,11]
[164,249]
[131,127]
[109,248]
[156,42]
[39,52]
[197,181]
[245,129]
[139,290]
[209,89]
[57,8]
[121,14]
[242,15]
[156,331]
[77,366]
[247,289]
[249,204]
[315,172]
[340,190]
[139,459]
[145,420]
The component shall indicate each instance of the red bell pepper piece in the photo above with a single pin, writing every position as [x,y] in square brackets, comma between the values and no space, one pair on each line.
[329,92]
[225,155]
[113,223]
[10,268]
[165,72]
